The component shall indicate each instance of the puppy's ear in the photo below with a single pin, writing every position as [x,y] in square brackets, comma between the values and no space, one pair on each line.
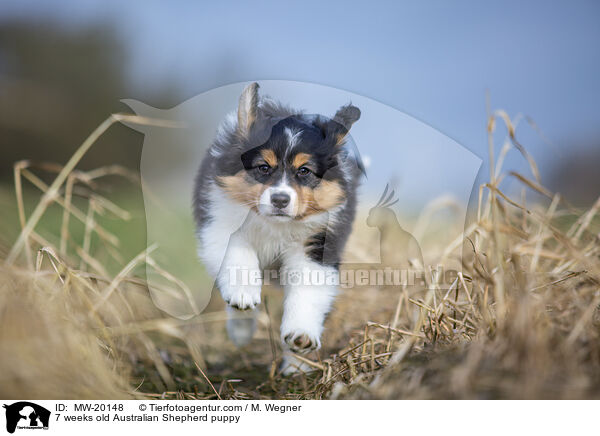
[248,108]
[342,121]
[347,115]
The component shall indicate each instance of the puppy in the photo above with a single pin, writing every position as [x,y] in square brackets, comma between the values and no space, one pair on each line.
[277,189]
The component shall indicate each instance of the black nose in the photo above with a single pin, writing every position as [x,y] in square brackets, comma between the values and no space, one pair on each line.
[280,200]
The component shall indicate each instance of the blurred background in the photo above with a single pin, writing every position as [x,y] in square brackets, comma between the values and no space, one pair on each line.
[65,65]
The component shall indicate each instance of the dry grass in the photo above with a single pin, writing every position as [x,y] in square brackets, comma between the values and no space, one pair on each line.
[521,321]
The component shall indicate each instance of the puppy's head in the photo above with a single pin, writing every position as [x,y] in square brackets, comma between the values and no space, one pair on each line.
[290,164]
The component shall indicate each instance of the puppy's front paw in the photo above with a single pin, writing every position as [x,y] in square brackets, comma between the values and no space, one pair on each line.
[302,342]
[242,297]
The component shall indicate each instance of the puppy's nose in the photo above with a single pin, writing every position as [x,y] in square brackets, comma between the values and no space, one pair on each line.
[280,200]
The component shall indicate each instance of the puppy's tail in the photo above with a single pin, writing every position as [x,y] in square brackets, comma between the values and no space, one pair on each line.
[241,325]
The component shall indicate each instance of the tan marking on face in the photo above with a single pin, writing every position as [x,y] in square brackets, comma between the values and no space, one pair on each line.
[269,157]
[300,159]
[324,197]
[240,190]
[329,194]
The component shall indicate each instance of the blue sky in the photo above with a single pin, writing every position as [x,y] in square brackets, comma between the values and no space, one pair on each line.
[432,60]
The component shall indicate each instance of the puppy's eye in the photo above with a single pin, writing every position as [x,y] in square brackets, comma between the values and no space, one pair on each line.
[264,169]
[303,171]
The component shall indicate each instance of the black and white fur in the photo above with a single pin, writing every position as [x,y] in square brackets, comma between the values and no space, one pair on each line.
[250,217]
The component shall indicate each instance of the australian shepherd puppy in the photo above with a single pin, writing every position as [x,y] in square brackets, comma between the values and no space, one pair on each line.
[290,181]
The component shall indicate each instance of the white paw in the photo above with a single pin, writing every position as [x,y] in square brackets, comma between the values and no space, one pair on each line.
[242,297]
[301,341]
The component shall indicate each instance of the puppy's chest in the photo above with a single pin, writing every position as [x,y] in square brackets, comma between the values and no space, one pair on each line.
[272,241]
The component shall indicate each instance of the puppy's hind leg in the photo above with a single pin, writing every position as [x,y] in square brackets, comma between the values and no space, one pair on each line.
[292,365]
[241,325]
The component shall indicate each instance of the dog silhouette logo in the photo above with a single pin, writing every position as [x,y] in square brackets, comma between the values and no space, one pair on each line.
[26,415]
